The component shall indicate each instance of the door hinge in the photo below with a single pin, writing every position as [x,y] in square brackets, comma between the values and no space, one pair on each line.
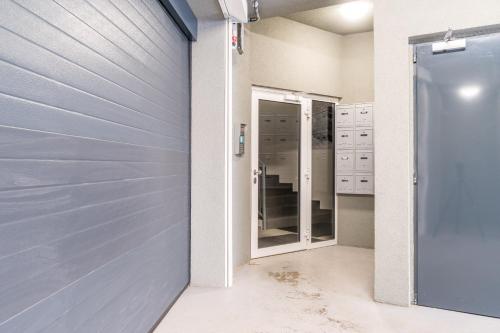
[415,180]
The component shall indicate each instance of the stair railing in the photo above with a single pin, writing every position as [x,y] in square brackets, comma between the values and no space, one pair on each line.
[262,194]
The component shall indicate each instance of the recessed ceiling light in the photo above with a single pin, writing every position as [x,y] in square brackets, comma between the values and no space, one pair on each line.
[469,92]
[356,10]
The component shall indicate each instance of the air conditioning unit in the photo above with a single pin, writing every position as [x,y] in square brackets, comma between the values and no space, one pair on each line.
[236,10]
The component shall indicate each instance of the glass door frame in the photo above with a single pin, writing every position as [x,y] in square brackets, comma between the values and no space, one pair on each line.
[305,203]
[309,158]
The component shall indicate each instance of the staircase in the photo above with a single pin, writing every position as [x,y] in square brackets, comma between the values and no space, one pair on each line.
[282,205]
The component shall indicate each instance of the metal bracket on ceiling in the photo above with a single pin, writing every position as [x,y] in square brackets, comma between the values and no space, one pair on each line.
[449,35]
[256,16]
[449,44]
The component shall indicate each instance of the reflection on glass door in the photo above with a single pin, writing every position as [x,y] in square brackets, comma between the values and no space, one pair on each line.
[322,172]
[278,173]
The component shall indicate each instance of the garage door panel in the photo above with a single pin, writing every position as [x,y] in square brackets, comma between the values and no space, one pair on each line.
[163,21]
[146,310]
[94,164]
[22,266]
[53,93]
[85,81]
[35,289]
[44,229]
[31,173]
[100,287]
[132,33]
[89,38]
[18,205]
[32,115]
[97,32]
[44,36]
[164,36]
[108,21]
[16,143]
[96,303]
[135,11]
[123,18]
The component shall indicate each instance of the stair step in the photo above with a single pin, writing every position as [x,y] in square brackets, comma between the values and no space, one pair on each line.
[274,180]
[279,192]
[324,218]
[284,199]
[287,187]
[322,212]
[282,222]
[281,211]
[315,204]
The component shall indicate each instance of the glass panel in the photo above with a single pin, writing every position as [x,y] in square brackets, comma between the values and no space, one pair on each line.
[279,152]
[323,197]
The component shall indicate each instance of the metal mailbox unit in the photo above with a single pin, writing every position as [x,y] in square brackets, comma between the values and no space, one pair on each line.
[354,148]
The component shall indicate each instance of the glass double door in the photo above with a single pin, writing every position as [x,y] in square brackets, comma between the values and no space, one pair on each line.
[293,197]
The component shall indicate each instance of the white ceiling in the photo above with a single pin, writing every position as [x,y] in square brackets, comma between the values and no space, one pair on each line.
[206,9]
[271,8]
[331,19]
[322,14]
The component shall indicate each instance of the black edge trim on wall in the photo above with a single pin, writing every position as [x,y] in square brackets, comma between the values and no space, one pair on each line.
[183,16]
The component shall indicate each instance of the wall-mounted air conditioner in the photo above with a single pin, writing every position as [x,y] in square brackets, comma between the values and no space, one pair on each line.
[236,10]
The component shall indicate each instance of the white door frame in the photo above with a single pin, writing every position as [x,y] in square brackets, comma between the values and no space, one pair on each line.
[305,101]
[310,244]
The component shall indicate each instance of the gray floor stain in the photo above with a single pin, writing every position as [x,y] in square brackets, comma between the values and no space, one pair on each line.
[343,325]
[304,295]
[334,323]
[311,296]
[291,278]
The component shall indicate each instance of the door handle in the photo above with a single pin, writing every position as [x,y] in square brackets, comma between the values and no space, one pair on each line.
[257,172]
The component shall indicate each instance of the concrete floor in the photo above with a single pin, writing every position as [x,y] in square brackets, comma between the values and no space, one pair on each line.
[325,290]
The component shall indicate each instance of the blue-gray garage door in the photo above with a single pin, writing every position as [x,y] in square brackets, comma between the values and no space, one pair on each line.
[94,165]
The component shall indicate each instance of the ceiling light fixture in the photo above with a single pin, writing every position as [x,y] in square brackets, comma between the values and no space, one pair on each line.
[356,10]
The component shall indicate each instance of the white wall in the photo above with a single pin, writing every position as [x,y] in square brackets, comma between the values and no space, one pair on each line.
[355,213]
[357,68]
[209,174]
[242,165]
[290,55]
[395,21]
